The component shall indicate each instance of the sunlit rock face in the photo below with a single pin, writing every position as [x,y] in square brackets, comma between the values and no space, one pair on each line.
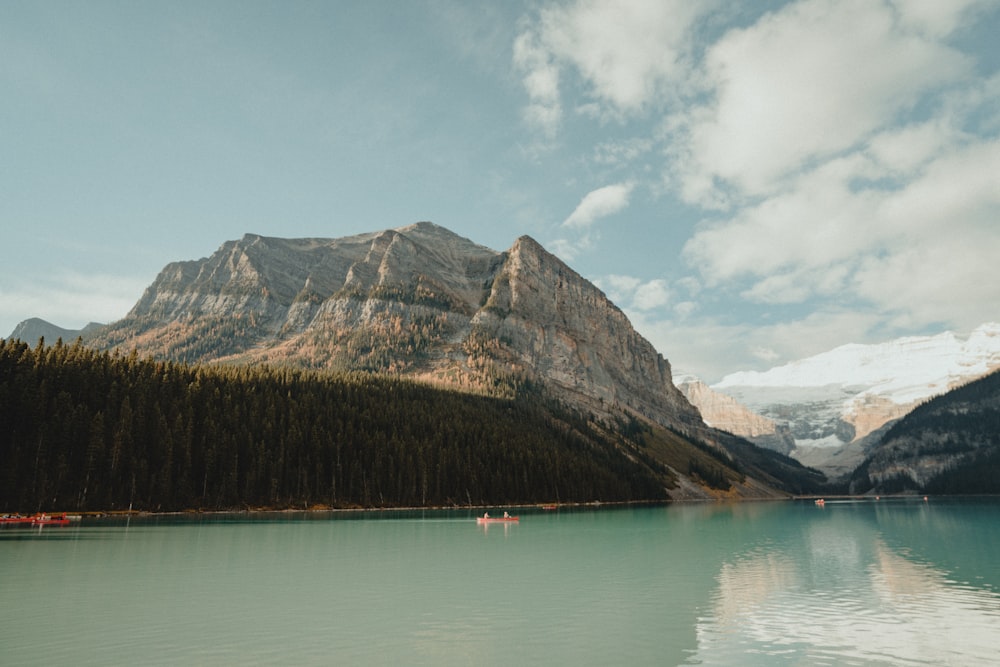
[724,412]
[417,301]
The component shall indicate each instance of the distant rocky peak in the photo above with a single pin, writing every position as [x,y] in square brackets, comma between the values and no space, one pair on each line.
[836,401]
[725,412]
[34,328]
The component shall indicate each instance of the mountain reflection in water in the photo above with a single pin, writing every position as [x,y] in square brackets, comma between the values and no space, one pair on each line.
[846,598]
[770,583]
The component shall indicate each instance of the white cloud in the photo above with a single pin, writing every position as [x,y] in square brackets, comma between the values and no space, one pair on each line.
[569,249]
[72,300]
[626,51]
[651,295]
[623,284]
[942,264]
[958,188]
[618,153]
[765,354]
[934,17]
[631,54]
[820,220]
[805,83]
[925,249]
[711,348]
[843,154]
[632,292]
[685,309]
[904,150]
[599,203]
[541,81]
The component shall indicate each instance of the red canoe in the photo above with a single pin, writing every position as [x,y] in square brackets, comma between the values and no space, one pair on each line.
[497,519]
[35,520]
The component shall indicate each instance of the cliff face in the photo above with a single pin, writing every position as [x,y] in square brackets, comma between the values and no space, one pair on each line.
[726,413]
[550,319]
[418,301]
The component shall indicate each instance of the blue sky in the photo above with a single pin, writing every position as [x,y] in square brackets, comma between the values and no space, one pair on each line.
[751,182]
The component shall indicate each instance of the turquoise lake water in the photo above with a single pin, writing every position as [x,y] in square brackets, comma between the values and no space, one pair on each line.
[890,582]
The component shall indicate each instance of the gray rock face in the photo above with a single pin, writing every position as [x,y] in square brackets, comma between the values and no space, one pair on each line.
[552,320]
[418,301]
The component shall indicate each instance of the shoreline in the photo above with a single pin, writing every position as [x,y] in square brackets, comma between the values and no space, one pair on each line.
[324,509]
[594,504]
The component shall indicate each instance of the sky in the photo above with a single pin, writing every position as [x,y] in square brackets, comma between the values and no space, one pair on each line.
[751,183]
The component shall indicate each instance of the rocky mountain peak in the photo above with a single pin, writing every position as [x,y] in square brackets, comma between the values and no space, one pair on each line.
[559,324]
[418,301]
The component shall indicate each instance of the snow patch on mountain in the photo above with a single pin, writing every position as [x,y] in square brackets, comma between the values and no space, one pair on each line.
[902,370]
[838,397]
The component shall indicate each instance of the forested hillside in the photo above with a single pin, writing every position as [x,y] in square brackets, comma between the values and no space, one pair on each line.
[87,430]
[950,444]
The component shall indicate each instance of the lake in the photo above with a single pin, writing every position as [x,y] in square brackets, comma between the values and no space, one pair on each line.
[889,582]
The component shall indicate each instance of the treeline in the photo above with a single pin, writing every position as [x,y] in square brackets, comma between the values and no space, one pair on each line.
[191,340]
[961,427]
[970,412]
[86,430]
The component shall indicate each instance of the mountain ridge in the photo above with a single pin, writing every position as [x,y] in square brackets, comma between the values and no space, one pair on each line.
[422,303]
[838,403]
[948,444]
[417,301]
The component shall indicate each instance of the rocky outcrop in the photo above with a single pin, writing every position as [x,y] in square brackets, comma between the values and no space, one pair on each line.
[869,412]
[726,413]
[417,301]
[551,320]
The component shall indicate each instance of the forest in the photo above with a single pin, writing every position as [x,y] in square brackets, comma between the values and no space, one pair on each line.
[84,430]
[962,425]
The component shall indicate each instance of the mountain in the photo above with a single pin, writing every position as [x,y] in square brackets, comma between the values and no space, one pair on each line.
[32,329]
[950,444]
[420,302]
[726,413]
[839,403]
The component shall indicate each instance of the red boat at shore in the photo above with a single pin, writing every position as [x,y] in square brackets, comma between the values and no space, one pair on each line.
[40,519]
[14,520]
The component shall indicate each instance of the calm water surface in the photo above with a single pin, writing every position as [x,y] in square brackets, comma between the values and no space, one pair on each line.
[782,583]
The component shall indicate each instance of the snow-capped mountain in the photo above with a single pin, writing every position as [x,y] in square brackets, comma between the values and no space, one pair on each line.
[837,401]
